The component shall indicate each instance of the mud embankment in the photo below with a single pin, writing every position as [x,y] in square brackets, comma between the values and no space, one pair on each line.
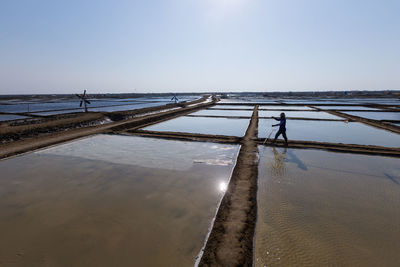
[231,240]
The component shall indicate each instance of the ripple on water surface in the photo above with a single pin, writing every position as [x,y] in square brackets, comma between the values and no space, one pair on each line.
[111,201]
[320,208]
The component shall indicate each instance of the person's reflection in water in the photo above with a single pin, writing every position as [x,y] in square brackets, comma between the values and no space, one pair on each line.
[293,158]
[278,164]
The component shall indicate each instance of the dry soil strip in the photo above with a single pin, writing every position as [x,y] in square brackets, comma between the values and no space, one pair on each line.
[231,240]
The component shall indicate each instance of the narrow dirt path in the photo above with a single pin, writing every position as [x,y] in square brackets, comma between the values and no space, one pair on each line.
[231,240]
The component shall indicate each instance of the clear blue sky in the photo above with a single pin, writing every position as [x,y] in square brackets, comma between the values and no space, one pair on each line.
[50,46]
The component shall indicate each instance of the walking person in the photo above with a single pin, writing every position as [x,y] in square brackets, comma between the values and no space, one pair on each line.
[282,128]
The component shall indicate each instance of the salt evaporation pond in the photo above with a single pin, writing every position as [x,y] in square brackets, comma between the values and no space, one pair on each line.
[299,114]
[376,115]
[59,106]
[214,126]
[346,107]
[318,208]
[333,132]
[125,107]
[284,107]
[210,112]
[232,107]
[111,201]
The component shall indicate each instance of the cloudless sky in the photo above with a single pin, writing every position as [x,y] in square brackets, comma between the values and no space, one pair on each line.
[51,46]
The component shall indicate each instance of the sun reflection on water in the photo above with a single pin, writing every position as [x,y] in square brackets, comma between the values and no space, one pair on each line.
[222,186]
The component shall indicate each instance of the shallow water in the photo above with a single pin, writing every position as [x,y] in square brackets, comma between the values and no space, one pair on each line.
[237,113]
[233,107]
[376,115]
[126,107]
[111,201]
[60,106]
[346,107]
[261,107]
[316,102]
[299,114]
[11,117]
[332,131]
[214,126]
[317,208]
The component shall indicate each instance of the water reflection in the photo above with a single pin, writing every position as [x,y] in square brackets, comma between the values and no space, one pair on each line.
[392,178]
[277,166]
[58,207]
[295,159]
[222,186]
[217,126]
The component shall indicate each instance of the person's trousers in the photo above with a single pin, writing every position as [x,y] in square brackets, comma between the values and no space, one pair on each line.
[283,132]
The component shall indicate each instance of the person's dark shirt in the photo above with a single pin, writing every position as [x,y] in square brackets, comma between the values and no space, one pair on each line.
[282,124]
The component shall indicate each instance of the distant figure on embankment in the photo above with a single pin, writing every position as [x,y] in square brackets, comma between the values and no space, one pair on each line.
[282,128]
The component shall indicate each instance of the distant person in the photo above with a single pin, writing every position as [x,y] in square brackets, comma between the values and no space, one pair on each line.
[282,128]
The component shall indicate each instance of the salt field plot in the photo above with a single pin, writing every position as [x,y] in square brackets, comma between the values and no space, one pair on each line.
[319,102]
[385,101]
[299,114]
[111,201]
[376,115]
[333,132]
[12,117]
[284,107]
[246,101]
[317,208]
[233,107]
[215,126]
[210,112]
[346,107]
[125,107]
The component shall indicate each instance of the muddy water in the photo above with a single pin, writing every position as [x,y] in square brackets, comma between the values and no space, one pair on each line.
[111,201]
[318,208]
[214,126]
[332,131]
